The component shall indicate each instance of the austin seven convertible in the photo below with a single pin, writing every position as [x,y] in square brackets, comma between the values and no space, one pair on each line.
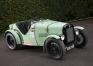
[55,37]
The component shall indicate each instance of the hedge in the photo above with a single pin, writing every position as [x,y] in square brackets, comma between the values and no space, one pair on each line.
[63,10]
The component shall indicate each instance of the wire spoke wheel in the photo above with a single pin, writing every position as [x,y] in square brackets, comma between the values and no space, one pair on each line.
[81,40]
[53,49]
[10,41]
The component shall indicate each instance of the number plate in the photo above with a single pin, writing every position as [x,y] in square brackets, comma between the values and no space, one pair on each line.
[70,47]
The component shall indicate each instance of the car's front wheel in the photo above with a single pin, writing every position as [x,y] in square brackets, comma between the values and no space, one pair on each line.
[55,48]
[81,39]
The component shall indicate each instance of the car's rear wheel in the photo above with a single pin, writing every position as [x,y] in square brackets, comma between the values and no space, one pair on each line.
[81,40]
[55,48]
[11,41]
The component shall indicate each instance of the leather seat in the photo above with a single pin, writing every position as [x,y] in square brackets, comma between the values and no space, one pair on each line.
[23,26]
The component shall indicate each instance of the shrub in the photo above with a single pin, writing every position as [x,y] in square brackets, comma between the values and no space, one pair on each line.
[63,10]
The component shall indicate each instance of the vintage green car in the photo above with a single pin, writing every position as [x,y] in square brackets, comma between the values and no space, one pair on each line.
[55,37]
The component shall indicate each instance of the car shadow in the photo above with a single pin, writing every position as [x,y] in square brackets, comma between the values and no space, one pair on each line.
[38,49]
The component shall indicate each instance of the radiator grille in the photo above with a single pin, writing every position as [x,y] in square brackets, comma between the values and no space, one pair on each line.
[70,34]
[68,31]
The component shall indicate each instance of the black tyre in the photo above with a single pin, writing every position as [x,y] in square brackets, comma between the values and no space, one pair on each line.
[81,40]
[55,48]
[11,41]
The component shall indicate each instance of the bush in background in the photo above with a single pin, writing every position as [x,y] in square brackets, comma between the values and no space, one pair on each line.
[63,10]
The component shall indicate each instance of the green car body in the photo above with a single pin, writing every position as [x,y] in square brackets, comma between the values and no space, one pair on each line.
[39,33]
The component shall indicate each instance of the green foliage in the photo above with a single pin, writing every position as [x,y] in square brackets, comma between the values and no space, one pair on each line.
[63,10]
[70,9]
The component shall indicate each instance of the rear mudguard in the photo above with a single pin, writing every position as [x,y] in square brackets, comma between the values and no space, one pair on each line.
[15,34]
